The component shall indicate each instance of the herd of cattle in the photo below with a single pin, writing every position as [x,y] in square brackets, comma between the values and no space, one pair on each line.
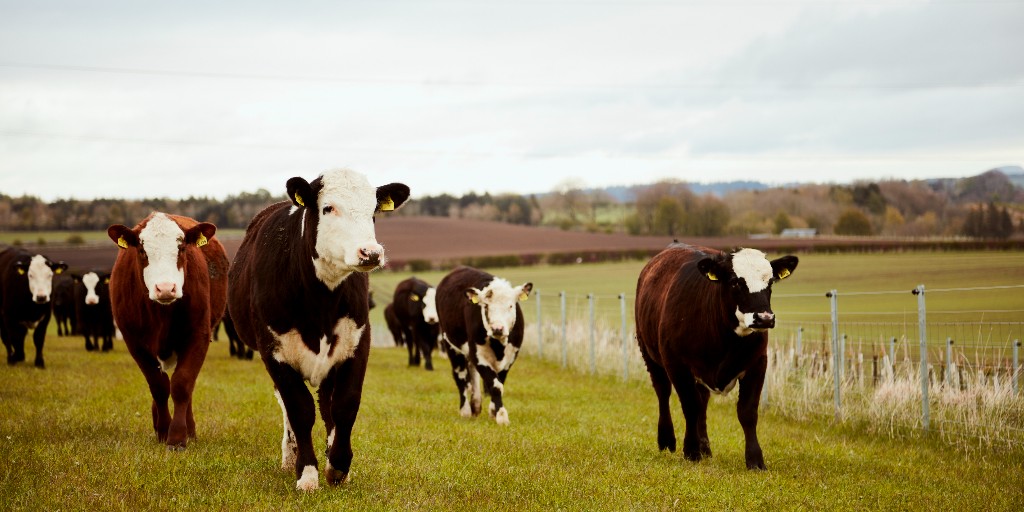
[298,293]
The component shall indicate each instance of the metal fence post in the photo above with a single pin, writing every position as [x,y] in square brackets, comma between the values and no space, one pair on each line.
[540,330]
[799,341]
[562,296]
[1016,367]
[625,343]
[949,360]
[922,315]
[593,336]
[892,354]
[832,295]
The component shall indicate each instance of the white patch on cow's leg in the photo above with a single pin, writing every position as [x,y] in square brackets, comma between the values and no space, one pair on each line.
[289,447]
[466,411]
[167,365]
[474,380]
[310,480]
[502,417]
[498,385]
[490,409]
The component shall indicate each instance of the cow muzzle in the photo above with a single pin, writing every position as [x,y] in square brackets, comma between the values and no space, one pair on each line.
[370,257]
[762,321]
[41,299]
[165,293]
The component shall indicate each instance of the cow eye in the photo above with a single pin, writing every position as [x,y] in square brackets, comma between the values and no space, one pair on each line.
[328,209]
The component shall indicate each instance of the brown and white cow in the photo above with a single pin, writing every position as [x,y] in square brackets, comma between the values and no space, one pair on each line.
[701,321]
[413,318]
[483,328]
[26,284]
[299,295]
[168,288]
[92,309]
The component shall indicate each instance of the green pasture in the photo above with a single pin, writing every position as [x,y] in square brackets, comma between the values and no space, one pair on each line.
[77,436]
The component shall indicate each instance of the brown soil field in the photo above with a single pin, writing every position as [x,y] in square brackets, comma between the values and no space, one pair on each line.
[440,239]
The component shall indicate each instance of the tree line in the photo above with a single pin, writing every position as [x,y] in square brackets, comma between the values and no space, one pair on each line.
[985,206]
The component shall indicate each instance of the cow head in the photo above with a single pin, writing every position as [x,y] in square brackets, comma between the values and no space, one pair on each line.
[39,271]
[337,212]
[497,303]
[160,247]
[426,304]
[95,285]
[747,277]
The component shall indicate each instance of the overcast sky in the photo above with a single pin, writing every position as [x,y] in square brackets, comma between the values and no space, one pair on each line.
[143,99]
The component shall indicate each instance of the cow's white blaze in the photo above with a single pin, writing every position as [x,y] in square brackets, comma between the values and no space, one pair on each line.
[40,278]
[430,306]
[753,267]
[289,446]
[310,479]
[314,366]
[346,226]
[498,306]
[161,239]
[90,280]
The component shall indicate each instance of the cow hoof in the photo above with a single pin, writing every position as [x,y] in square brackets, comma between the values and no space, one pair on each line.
[336,477]
[502,417]
[309,481]
[176,447]
[40,364]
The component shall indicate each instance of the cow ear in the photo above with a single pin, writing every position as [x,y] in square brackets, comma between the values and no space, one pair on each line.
[123,236]
[22,267]
[392,196]
[59,267]
[784,266]
[710,268]
[300,192]
[473,295]
[524,291]
[200,234]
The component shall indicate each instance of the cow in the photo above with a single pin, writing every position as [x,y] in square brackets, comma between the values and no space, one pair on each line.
[92,308]
[26,286]
[394,326]
[414,316]
[299,295]
[236,347]
[63,300]
[482,324]
[168,288]
[702,317]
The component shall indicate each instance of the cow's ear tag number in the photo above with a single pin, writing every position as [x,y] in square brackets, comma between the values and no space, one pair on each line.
[298,200]
[201,241]
[122,243]
[784,273]
[387,205]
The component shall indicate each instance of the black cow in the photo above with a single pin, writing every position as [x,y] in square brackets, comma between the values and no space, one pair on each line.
[235,345]
[63,300]
[483,328]
[414,316]
[92,307]
[394,326]
[701,322]
[299,294]
[26,283]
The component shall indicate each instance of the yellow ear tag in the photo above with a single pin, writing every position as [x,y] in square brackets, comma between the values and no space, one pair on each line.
[414,297]
[712,276]
[784,273]
[523,296]
[298,199]
[21,271]
[201,241]
[387,205]
[58,271]
[121,243]
[475,300]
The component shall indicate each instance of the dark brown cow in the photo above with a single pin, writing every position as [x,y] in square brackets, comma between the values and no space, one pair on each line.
[414,314]
[26,284]
[394,326]
[63,300]
[701,321]
[92,309]
[299,295]
[483,330]
[167,289]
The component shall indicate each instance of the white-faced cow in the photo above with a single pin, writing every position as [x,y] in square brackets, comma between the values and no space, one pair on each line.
[167,290]
[299,295]
[414,314]
[63,300]
[92,308]
[26,283]
[701,321]
[483,327]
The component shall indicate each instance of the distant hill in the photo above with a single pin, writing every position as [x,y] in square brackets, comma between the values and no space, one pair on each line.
[627,194]
[992,185]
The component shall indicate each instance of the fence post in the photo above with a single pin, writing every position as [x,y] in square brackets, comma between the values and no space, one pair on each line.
[1016,367]
[949,361]
[593,336]
[540,330]
[562,296]
[625,342]
[892,354]
[922,315]
[832,295]
[799,341]
[842,358]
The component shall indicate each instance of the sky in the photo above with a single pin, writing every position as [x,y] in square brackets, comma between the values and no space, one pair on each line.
[197,98]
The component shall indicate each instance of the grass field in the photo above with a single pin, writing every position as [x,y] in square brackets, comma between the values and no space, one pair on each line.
[77,436]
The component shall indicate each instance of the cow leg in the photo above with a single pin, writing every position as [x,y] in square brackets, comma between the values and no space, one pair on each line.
[423,346]
[14,340]
[39,337]
[460,372]
[108,342]
[159,389]
[339,413]
[410,341]
[694,412]
[746,410]
[663,389]
[183,384]
[89,346]
[494,384]
[300,413]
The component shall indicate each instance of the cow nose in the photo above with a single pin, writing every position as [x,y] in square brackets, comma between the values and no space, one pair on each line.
[370,255]
[166,291]
[92,300]
[766,319]
[498,331]
[42,299]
